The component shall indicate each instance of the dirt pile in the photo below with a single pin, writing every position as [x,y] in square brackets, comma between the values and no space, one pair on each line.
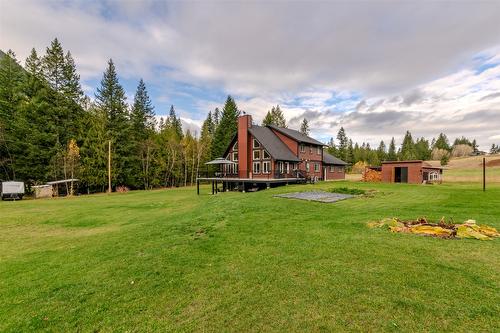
[442,229]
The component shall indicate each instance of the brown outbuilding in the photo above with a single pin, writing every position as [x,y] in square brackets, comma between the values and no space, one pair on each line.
[413,172]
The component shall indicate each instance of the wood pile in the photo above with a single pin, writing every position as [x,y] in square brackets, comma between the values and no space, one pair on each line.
[370,175]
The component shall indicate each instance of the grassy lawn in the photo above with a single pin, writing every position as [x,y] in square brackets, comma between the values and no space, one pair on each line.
[171,260]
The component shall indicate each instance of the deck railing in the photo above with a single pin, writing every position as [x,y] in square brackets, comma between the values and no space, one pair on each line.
[246,174]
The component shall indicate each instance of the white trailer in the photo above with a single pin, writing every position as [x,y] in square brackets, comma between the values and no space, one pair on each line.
[12,190]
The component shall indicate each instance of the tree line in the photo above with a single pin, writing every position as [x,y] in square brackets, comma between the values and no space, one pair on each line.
[50,130]
[410,149]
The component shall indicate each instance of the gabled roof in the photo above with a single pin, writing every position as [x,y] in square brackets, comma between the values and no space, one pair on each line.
[330,159]
[272,144]
[296,135]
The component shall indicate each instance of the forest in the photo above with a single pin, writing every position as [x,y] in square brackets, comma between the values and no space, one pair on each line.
[50,130]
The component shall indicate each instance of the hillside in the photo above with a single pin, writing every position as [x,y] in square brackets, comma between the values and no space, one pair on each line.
[469,169]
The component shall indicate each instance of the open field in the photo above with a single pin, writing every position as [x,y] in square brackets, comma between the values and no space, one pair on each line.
[171,260]
[470,169]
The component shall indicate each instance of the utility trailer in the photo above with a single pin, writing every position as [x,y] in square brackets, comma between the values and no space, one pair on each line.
[12,190]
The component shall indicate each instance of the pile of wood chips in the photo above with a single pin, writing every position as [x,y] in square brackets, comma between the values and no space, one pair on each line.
[370,175]
[442,229]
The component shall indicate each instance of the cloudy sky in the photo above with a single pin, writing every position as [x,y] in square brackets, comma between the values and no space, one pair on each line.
[376,68]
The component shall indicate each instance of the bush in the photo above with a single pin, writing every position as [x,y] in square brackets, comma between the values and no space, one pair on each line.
[122,189]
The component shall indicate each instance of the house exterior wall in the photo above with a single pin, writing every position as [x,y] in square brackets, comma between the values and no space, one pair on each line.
[414,171]
[290,143]
[333,172]
[311,157]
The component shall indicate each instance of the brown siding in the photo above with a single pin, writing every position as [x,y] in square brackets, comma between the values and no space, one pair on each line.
[414,171]
[290,143]
[333,175]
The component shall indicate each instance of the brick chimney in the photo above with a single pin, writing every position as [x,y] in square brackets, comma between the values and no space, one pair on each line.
[244,122]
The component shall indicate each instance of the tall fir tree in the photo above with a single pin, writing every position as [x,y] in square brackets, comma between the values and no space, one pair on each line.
[342,143]
[227,127]
[206,137]
[391,153]
[408,151]
[110,98]
[274,117]
[304,127]
[422,149]
[142,115]
[381,151]
[442,142]
[175,123]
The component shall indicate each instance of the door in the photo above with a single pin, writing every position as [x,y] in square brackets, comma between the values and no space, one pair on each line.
[401,174]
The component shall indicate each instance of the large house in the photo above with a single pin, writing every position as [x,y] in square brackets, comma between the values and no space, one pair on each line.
[271,152]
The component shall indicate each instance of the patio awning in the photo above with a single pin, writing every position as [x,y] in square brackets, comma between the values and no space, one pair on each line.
[220,160]
[62,181]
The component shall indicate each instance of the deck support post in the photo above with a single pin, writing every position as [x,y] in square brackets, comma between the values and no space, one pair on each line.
[197,186]
[213,187]
[268,186]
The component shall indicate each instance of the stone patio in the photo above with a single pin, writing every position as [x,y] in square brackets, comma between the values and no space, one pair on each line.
[319,196]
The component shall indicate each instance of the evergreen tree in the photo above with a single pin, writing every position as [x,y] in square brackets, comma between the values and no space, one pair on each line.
[422,149]
[408,151]
[381,151]
[54,65]
[304,127]
[442,142]
[475,146]
[71,87]
[216,117]
[33,64]
[206,137]
[11,79]
[227,127]
[110,98]
[175,122]
[94,151]
[268,119]
[391,153]
[342,143]
[350,153]
[142,115]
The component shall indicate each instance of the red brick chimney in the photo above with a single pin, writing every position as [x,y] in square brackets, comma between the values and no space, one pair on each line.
[244,122]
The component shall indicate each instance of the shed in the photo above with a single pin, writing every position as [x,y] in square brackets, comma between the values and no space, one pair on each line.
[413,172]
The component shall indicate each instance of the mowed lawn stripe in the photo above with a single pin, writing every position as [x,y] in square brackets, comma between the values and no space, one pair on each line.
[171,260]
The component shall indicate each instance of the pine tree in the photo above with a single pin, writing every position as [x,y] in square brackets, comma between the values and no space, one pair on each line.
[175,122]
[142,116]
[71,87]
[442,142]
[350,153]
[11,79]
[408,151]
[342,143]
[278,117]
[33,64]
[391,153]
[268,119]
[54,65]
[422,149]
[381,151]
[304,127]
[94,151]
[110,98]
[206,137]
[227,127]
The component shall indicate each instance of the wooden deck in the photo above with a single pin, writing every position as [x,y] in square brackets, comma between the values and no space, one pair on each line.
[244,183]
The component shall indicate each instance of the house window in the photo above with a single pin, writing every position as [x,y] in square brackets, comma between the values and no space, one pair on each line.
[256,154]
[280,167]
[234,169]
[266,167]
[332,168]
[310,149]
[318,150]
[316,167]
[307,166]
[302,148]
[235,146]
[235,156]
[256,144]
[287,167]
[265,155]
[256,167]
[340,169]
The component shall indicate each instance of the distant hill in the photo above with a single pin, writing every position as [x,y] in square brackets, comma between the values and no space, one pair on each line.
[470,162]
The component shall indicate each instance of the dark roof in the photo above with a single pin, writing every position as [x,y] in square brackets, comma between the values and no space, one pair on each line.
[274,146]
[296,135]
[330,159]
[408,161]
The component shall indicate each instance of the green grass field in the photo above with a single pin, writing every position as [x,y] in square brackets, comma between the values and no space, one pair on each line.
[172,261]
